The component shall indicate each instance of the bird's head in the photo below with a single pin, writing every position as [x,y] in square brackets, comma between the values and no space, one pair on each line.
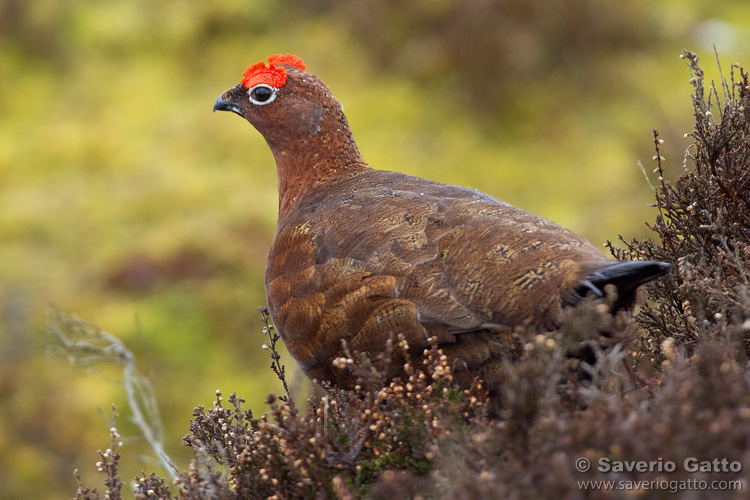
[301,120]
[283,102]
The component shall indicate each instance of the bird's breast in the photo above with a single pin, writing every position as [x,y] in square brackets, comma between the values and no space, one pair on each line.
[382,253]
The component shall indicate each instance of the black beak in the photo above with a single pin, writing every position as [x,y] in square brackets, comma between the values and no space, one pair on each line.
[222,104]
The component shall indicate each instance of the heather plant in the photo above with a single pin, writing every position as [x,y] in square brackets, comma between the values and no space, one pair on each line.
[668,385]
[703,225]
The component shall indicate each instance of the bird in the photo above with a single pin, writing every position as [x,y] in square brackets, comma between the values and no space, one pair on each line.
[362,257]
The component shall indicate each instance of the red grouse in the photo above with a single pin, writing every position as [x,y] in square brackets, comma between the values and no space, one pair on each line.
[362,255]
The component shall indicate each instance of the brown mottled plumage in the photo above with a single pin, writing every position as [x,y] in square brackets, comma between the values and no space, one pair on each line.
[361,255]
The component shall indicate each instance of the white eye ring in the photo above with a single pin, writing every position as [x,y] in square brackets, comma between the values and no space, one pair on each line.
[262,94]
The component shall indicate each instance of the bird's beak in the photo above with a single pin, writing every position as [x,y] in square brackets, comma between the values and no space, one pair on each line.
[224,104]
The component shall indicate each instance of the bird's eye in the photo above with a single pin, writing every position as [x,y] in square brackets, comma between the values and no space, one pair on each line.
[262,94]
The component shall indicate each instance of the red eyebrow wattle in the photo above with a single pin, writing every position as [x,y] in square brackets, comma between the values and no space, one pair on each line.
[270,73]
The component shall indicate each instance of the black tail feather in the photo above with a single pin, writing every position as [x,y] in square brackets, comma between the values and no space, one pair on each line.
[627,276]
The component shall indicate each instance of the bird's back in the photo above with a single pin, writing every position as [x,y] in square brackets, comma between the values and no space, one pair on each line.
[372,254]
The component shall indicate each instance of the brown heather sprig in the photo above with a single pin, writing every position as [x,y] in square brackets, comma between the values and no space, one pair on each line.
[350,435]
[108,464]
[703,224]
[276,366]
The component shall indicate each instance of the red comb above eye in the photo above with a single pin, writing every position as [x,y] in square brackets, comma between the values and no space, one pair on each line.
[260,72]
[289,59]
[270,74]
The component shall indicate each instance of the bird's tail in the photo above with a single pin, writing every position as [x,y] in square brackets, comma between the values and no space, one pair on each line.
[626,275]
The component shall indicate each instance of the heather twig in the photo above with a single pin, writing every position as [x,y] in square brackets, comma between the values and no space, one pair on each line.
[278,368]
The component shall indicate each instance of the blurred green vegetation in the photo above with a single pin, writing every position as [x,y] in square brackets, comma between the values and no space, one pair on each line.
[126,202]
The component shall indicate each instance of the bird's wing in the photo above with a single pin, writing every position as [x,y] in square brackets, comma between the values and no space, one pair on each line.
[383,251]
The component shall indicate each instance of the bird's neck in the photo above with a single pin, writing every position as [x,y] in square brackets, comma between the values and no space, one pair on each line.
[303,164]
